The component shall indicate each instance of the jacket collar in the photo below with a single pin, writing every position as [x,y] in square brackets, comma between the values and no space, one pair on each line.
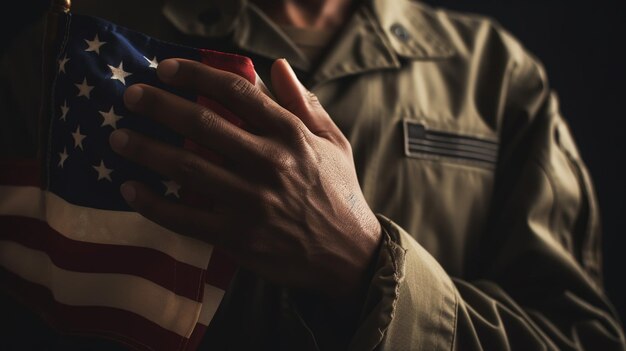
[380,35]
[250,28]
[413,29]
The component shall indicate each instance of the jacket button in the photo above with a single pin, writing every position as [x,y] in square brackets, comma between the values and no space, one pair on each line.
[400,32]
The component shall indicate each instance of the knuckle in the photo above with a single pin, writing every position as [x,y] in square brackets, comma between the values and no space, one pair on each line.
[136,148]
[293,127]
[312,99]
[299,135]
[264,203]
[283,161]
[262,195]
[346,146]
[206,121]
[268,152]
[189,167]
[294,104]
[241,86]
[268,105]
[343,143]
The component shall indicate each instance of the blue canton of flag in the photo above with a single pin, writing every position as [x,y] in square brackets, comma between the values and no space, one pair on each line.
[72,248]
[98,61]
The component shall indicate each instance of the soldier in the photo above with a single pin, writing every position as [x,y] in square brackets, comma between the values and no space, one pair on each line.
[412,186]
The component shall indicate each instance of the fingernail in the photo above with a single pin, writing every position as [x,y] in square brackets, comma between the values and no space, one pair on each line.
[128,192]
[167,69]
[132,95]
[118,140]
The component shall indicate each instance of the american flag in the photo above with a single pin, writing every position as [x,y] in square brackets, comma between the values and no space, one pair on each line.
[70,247]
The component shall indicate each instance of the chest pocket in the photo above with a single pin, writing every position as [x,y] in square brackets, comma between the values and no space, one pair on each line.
[438,187]
[421,141]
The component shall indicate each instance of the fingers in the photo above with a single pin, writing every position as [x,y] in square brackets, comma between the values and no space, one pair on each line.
[233,92]
[188,169]
[194,121]
[291,94]
[200,224]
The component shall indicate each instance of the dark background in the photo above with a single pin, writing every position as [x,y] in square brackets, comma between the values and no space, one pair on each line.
[583,47]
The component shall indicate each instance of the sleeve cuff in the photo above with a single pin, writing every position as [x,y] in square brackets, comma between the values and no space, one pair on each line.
[411,302]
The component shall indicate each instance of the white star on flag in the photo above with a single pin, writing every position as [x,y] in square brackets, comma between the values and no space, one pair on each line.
[110,118]
[119,73]
[94,45]
[63,155]
[78,138]
[152,63]
[62,63]
[171,188]
[64,110]
[84,89]
[103,171]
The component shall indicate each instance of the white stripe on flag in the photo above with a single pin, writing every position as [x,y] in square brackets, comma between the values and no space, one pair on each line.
[211,301]
[101,226]
[126,292]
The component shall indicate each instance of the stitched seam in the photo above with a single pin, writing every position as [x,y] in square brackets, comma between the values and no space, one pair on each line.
[451,160]
[453,145]
[441,307]
[396,292]
[392,253]
[52,95]
[440,123]
[413,148]
[454,320]
[555,197]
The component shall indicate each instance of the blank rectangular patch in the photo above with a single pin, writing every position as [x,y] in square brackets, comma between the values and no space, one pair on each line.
[425,143]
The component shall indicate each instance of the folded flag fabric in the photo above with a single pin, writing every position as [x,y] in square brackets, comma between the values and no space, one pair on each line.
[70,247]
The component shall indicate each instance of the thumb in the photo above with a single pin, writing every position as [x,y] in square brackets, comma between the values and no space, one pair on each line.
[293,96]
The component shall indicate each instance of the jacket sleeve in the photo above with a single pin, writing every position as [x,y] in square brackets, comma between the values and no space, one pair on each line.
[539,283]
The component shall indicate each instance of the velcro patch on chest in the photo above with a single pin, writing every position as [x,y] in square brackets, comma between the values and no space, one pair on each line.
[423,142]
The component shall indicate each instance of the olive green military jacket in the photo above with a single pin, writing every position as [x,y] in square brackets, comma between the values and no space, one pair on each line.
[491,225]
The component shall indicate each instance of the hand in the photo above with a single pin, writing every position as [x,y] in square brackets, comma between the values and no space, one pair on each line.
[290,209]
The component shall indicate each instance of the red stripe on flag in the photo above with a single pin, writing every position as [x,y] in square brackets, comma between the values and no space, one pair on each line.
[79,256]
[105,322]
[237,64]
[24,172]
[196,337]
[220,270]
[240,65]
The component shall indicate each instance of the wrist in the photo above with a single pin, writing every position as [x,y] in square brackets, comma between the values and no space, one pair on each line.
[334,318]
[353,278]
